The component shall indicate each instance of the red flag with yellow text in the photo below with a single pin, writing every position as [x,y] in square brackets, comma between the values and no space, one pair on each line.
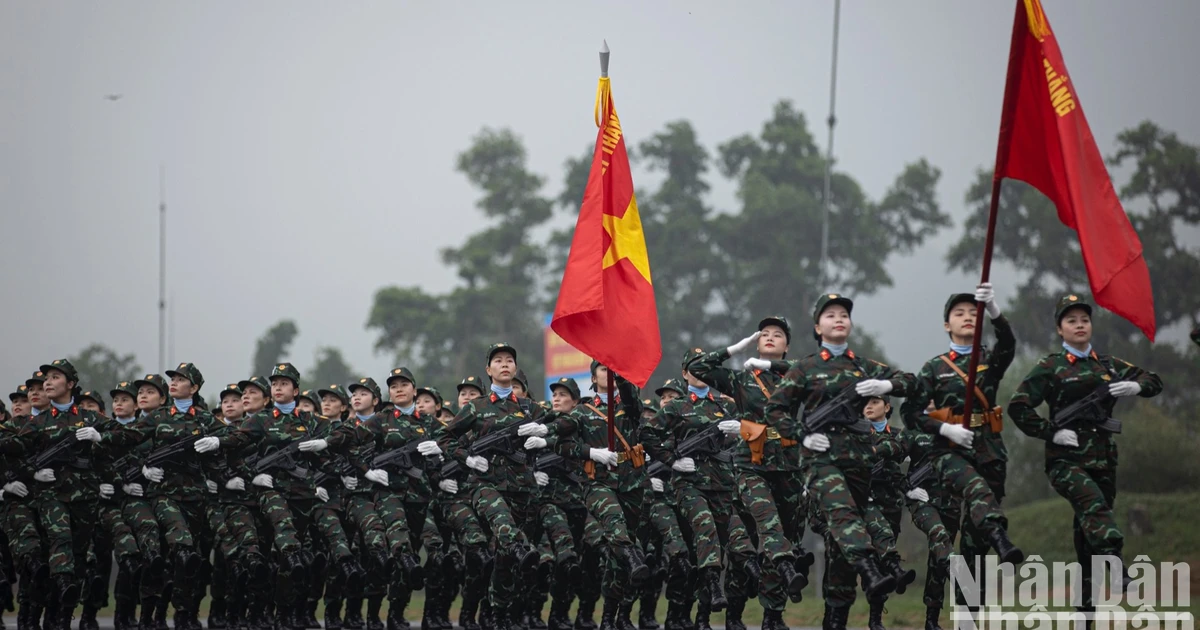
[606,305]
[1045,141]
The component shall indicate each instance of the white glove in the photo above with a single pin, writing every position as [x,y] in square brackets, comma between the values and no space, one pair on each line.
[657,484]
[206,444]
[541,478]
[322,494]
[429,448]
[730,427]
[212,486]
[757,364]
[264,480]
[17,488]
[448,485]
[532,428]
[984,293]
[350,483]
[237,483]
[535,442]
[88,434]
[684,465]
[378,476]
[1066,437]
[603,456]
[958,434]
[313,446]
[477,463]
[44,475]
[816,442]
[1121,389]
[873,388]
[107,490]
[132,489]
[153,473]
[918,494]
[743,344]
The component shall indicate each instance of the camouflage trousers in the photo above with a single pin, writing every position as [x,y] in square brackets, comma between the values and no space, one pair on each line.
[773,499]
[1093,495]
[20,524]
[327,519]
[839,499]
[112,526]
[284,526]
[940,526]
[361,512]
[512,518]
[670,542]
[557,528]
[960,477]
[460,518]
[714,523]
[403,520]
[981,516]
[608,511]
[113,535]
[69,528]
[139,514]
[236,534]
[839,587]
[181,522]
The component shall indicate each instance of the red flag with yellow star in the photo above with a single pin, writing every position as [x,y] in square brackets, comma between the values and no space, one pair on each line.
[606,305]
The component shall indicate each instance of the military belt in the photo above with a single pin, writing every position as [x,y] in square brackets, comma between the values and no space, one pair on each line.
[622,457]
[773,433]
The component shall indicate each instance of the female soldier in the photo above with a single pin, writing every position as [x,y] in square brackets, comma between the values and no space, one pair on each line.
[20,401]
[139,513]
[833,386]
[1081,450]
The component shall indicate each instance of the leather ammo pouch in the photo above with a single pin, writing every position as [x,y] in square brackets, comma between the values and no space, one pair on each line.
[635,454]
[756,435]
[993,417]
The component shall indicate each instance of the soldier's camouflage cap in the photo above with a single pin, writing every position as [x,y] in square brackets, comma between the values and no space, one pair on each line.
[955,300]
[258,382]
[288,371]
[154,380]
[692,355]
[432,391]
[401,372]
[64,366]
[311,396]
[824,302]
[448,407]
[500,347]
[190,372]
[595,364]
[232,389]
[672,384]
[523,380]
[335,390]
[568,384]
[124,387]
[38,377]
[780,321]
[22,392]
[471,381]
[1069,302]
[368,384]
[649,404]
[94,396]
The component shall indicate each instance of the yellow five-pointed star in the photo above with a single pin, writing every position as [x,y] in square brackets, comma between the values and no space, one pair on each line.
[627,240]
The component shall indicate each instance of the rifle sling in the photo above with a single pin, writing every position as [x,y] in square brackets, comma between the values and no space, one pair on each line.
[963,375]
[615,429]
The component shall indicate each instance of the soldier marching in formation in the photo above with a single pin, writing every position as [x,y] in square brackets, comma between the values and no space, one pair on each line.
[283,500]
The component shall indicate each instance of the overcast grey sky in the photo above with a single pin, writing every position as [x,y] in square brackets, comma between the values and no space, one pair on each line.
[310,145]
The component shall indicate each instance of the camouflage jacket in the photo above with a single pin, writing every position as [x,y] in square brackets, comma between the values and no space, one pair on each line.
[750,390]
[894,446]
[183,477]
[587,428]
[75,480]
[394,429]
[680,419]
[226,466]
[14,465]
[354,441]
[940,383]
[818,378]
[562,490]
[265,432]
[476,420]
[1060,379]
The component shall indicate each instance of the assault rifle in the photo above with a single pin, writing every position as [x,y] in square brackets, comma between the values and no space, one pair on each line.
[402,459]
[62,451]
[504,442]
[919,475]
[1092,409]
[282,458]
[838,412]
[165,454]
[703,445]
[555,464]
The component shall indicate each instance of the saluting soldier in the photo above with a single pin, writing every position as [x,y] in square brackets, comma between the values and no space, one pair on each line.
[1081,456]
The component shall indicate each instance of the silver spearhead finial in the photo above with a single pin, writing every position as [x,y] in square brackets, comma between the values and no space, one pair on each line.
[604,59]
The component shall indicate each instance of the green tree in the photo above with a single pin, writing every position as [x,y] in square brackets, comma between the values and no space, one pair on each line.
[273,345]
[329,368]
[1162,197]
[101,368]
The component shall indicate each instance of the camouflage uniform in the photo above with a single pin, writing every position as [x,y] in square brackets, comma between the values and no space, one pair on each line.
[768,482]
[672,553]
[838,479]
[113,534]
[1085,475]
[139,513]
[18,516]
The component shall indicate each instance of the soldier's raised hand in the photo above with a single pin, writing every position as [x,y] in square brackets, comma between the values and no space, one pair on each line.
[743,344]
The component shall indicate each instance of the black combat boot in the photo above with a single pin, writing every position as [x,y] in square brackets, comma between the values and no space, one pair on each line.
[931,618]
[414,574]
[310,616]
[216,614]
[395,616]
[677,617]
[87,619]
[466,613]
[773,620]
[794,581]
[146,621]
[875,582]
[1007,551]
[560,614]
[68,597]
[333,614]
[624,614]
[646,612]
[875,618]
[703,612]
[160,613]
[534,612]
[585,615]
[637,570]
[374,604]
[354,619]
[608,616]
[733,614]
[891,564]
[501,618]
[487,620]
[716,594]
[836,617]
